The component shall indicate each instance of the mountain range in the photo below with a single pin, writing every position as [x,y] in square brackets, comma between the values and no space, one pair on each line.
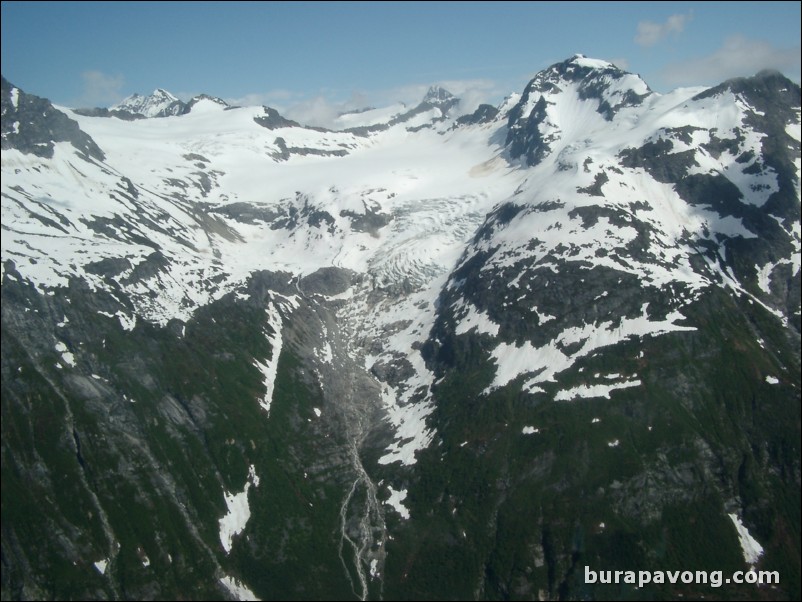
[425,354]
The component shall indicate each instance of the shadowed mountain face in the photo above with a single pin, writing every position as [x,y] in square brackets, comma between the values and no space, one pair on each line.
[425,356]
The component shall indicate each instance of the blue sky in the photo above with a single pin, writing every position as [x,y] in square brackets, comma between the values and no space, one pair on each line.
[322,56]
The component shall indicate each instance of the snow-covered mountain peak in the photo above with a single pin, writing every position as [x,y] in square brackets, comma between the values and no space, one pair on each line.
[158,104]
[593,78]
[161,93]
[205,102]
[583,61]
[583,66]
[579,90]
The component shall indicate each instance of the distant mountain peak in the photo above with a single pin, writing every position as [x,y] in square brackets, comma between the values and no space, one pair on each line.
[163,92]
[158,104]
[205,101]
[214,99]
[438,95]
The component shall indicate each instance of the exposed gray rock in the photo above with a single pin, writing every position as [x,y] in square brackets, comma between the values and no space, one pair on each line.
[32,125]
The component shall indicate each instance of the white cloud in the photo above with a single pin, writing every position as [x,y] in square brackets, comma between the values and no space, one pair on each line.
[322,110]
[473,92]
[270,98]
[739,56]
[100,89]
[318,111]
[650,33]
[182,94]
[621,63]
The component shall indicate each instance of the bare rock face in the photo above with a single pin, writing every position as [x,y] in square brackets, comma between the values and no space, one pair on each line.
[32,125]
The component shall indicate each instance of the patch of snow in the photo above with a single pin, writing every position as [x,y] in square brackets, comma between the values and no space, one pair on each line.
[237,589]
[325,353]
[549,360]
[530,430]
[751,549]
[126,321]
[254,478]
[269,368]
[764,274]
[772,380]
[66,356]
[613,443]
[396,501]
[233,523]
[543,318]
[794,130]
[598,390]
[473,319]
[412,433]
